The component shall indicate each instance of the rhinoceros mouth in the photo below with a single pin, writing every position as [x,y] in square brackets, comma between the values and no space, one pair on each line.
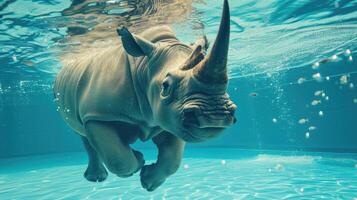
[207,113]
[189,135]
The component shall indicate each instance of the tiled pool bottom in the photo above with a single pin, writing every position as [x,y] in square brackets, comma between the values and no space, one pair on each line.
[204,174]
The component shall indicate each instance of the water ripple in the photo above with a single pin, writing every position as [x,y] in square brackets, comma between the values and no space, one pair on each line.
[204,179]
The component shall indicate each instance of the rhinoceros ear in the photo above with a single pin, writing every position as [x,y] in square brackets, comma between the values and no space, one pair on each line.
[135,45]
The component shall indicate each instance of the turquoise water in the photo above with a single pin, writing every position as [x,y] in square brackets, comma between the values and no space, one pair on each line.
[204,174]
[292,73]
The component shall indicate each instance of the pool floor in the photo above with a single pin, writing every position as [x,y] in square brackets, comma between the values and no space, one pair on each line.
[204,174]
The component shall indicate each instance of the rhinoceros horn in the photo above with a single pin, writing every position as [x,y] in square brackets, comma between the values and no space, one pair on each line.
[213,68]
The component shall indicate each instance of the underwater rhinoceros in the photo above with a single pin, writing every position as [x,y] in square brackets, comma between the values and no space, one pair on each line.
[149,86]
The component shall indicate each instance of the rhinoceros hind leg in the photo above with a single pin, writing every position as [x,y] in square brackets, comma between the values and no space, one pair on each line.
[117,155]
[95,171]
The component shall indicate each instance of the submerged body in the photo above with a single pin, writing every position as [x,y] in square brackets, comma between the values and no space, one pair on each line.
[91,87]
[149,86]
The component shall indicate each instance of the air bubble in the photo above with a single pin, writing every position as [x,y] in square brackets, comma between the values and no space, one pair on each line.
[350,58]
[321,113]
[307,135]
[223,162]
[318,93]
[327,78]
[301,80]
[343,80]
[317,77]
[334,57]
[316,65]
[301,190]
[351,86]
[355,100]
[303,120]
[14,58]
[327,98]
[279,167]
[67,110]
[185,166]
[315,102]
[274,120]
[312,128]
[348,52]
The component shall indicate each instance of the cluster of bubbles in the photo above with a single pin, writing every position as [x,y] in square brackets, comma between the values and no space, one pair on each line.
[65,110]
[320,96]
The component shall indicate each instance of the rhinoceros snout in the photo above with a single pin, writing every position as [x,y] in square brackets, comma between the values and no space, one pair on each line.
[209,116]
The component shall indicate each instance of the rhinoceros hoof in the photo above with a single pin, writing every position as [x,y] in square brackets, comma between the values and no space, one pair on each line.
[96,174]
[151,178]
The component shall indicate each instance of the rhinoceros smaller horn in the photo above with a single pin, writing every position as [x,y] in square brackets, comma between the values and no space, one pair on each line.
[204,43]
[135,45]
[196,57]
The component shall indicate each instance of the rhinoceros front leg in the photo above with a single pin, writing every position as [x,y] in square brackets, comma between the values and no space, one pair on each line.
[116,154]
[95,171]
[170,155]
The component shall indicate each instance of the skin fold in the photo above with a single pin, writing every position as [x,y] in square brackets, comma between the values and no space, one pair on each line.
[147,86]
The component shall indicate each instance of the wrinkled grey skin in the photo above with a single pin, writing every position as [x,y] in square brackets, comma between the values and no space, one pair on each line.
[150,86]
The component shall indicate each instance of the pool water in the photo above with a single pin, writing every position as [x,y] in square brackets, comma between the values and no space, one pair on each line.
[292,69]
[204,174]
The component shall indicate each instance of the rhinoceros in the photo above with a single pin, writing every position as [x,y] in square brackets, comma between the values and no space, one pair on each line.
[147,86]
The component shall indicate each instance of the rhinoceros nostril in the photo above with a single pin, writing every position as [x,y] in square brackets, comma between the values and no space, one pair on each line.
[190,117]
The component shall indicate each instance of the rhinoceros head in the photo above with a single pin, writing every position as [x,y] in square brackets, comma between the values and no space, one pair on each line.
[190,99]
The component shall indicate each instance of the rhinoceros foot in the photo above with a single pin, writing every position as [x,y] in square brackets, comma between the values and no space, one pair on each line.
[96,173]
[151,177]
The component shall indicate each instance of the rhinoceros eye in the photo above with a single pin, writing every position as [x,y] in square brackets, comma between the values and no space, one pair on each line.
[166,86]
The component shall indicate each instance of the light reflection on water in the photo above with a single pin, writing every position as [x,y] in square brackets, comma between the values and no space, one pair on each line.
[267,37]
[35,34]
[244,175]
